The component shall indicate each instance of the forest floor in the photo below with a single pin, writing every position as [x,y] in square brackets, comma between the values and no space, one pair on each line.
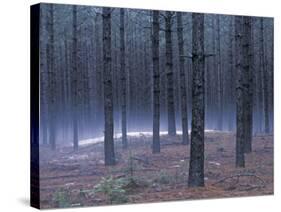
[70,179]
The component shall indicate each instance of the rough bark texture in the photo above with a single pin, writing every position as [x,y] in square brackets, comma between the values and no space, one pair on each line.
[248,85]
[98,68]
[231,76]
[123,81]
[184,114]
[264,79]
[74,80]
[240,160]
[108,91]
[156,83]
[196,167]
[219,74]
[259,78]
[170,75]
[43,80]
[52,81]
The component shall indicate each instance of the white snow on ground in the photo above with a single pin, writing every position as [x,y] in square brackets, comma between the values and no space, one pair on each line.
[131,134]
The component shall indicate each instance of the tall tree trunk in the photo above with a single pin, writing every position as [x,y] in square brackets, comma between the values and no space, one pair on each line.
[231,77]
[108,91]
[74,79]
[184,115]
[156,83]
[248,76]
[240,160]
[259,80]
[43,80]
[170,75]
[264,76]
[123,80]
[219,74]
[52,80]
[196,167]
[98,68]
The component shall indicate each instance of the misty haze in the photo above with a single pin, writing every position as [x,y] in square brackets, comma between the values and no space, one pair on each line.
[146,106]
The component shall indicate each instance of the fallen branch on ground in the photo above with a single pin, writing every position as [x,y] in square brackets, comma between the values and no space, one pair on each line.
[237,177]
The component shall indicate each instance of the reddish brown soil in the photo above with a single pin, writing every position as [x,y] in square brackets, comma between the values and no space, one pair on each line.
[158,177]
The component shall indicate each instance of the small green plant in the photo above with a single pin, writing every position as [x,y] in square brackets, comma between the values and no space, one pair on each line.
[62,198]
[113,189]
[130,169]
[163,177]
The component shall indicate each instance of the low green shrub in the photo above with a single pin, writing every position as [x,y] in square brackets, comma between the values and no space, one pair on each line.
[113,189]
[62,198]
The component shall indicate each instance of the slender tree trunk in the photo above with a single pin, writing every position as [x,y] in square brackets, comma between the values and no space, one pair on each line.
[219,74]
[43,80]
[259,80]
[99,73]
[123,80]
[196,167]
[248,76]
[108,91]
[156,83]
[231,118]
[240,160]
[215,96]
[170,75]
[75,79]
[184,115]
[52,80]
[264,79]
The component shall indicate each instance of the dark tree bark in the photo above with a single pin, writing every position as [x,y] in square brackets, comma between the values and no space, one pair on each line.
[184,115]
[52,80]
[170,75]
[74,79]
[248,76]
[231,78]
[123,80]
[259,80]
[108,91]
[264,76]
[240,116]
[196,167]
[156,83]
[43,79]
[219,74]
[98,68]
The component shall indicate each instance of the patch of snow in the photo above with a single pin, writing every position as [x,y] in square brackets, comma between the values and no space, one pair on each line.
[69,184]
[132,134]
[214,163]
[78,157]
[101,162]
[176,166]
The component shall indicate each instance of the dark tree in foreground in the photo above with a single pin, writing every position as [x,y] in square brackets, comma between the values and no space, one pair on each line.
[240,160]
[123,81]
[74,79]
[196,166]
[108,91]
[156,82]
[248,85]
[184,116]
[170,73]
